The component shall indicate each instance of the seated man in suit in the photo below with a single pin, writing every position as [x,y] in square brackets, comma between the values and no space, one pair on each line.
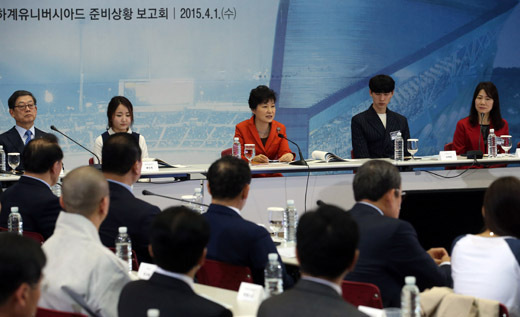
[233,239]
[178,239]
[389,248]
[372,129]
[32,193]
[22,107]
[76,258]
[326,248]
[21,264]
[122,168]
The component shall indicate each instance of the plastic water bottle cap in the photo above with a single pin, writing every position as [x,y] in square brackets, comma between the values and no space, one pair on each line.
[14,209]
[491,130]
[273,257]
[409,280]
[188,197]
[152,312]
[1,147]
[122,229]
[290,202]
[235,139]
[275,209]
[198,190]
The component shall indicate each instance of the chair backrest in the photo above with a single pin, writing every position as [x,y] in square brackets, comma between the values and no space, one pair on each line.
[503,312]
[226,152]
[518,145]
[135,264]
[223,275]
[358,293]
[29,234]
[91,161]
[44,312]
[448,146]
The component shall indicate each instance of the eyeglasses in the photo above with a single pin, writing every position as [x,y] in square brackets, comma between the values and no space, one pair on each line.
[400,191]
[23,106]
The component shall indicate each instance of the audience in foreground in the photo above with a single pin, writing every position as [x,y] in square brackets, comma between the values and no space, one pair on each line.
[43,164]
[76,258]
[21,264]
[326,248]
[389,248]
[178,245]
[122,168]
[487,265]
[233,239]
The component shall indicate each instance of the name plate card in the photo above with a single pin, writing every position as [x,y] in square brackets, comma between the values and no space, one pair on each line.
[150,166]
[517,154]
[448,155]
[146,270]
[249,292]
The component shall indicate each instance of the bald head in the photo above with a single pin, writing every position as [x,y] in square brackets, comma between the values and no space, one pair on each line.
[83,189]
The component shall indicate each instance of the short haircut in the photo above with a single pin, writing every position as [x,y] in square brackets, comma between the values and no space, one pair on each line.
[21,261]
[227,177]
[374,179]
[178,237]
[39,155]
[259,95]
[120,152]
[11,102]
[494,115]
[502,207]
[381,84]
[326,240]
[114,103]
[83,189]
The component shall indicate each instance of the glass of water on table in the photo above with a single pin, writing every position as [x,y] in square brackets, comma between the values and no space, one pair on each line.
[275,220]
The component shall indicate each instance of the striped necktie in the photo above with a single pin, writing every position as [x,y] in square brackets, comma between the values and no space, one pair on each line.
[28,134]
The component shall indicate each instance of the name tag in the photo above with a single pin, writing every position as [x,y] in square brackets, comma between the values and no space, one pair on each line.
[448,155]
[150,166]
[146,270]
[517,154]
[249,292]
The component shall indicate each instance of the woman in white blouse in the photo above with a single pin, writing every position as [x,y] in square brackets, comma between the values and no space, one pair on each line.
[120,114]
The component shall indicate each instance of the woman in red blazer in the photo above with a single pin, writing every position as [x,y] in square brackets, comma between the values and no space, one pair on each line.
[262,130]
[485,101]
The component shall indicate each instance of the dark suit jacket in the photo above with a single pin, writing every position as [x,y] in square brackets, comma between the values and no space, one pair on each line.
[13,143]
[135,214]
[388,251]
[37,204]
[307,298]
[171,296]
[237,241]
[370,139]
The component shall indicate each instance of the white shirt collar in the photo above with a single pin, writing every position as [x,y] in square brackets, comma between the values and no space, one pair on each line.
[183,277]
[373,206]
[110,131]
[334,286]
[235,209]
[21,131]
[122,184]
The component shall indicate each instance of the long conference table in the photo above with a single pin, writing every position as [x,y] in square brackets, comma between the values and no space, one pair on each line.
[442,217]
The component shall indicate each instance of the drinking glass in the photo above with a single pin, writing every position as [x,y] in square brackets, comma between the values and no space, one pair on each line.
[506,143]
[13,159]
[249,151]
[412,146]
[275,219]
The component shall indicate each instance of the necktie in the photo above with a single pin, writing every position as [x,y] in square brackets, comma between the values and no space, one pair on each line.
[28,134]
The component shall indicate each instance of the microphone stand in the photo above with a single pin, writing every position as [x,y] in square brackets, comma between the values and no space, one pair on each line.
[301,161]
[98,166]
[149,193]
[478,154]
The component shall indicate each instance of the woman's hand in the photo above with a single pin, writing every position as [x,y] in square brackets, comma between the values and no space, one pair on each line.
[260,158]
[287,157]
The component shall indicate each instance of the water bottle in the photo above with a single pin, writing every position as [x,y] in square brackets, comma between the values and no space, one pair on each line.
[124,247]
[410,304]
[290,221]
[235,149]
[398,147]
[273,276]
[199,198]
[56,189]
[15,222]
[492,144]
[3,165]
[153,312]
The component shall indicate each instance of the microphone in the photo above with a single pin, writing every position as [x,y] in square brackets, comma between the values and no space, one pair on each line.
[149,193]
[320,203]
[478,154]
[301,161]
[98,166]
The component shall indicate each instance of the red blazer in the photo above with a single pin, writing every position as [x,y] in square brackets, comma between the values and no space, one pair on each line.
[275,146]
[466,136]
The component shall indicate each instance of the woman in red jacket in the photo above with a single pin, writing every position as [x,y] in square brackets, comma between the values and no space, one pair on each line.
[262,130]
[486,102]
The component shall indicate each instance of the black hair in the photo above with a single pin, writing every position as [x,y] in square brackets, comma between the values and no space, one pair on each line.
[11,102]
[39,155]
[494,115]
[114,103]
[381,84]
[259,95]
[502,207]
[120,152]
[374,179]
[227,177]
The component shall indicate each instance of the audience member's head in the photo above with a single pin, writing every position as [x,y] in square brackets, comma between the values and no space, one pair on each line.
[227,178]
[21,264]
[42,154]
[260,95]
[379,181]
[178,239]
[85,192]
[502,207]
[114,104]
[120,154]
[381,84]
[327,241]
